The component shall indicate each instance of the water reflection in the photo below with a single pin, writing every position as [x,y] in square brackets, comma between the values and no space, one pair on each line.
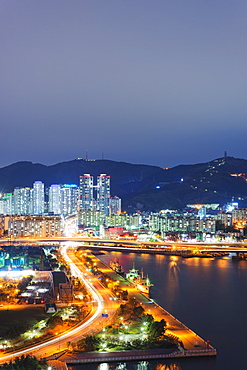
[121,367]
[168,367]
[206,295]
[103,366]
[172,280]
[142,365]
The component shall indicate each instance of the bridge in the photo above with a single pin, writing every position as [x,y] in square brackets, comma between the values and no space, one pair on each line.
[134,245]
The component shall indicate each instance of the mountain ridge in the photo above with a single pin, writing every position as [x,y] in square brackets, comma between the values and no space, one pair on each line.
[142,187]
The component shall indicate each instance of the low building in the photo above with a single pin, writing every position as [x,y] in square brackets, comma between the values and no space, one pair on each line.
[36,226]
[125,221]
[90,218]
[61,286]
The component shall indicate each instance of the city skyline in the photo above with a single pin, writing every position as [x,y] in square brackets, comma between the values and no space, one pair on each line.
[156,83]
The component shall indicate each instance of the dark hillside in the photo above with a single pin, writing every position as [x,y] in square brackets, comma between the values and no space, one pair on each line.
[141,186]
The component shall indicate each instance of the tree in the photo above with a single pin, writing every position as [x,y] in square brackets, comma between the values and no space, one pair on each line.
[91,343]
[24,363]
[147,318]
[157,328]
[138,311]
[54,321]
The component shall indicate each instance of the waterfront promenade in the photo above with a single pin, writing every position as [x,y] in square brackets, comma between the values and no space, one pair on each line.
[192,344]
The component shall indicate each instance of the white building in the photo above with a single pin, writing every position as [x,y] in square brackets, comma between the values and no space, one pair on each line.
[38,198]
[54,202]
[22,201]
[86,192]
[69,199]
[103,194]
[6,204]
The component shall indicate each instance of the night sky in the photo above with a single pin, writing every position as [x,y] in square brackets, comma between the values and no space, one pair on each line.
[159,82]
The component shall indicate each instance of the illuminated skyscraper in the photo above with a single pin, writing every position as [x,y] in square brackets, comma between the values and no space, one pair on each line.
[69,199]
[103,194]
[86,192]
[54,199]
[115,205]
[22,201]
[6,204]
[38,198]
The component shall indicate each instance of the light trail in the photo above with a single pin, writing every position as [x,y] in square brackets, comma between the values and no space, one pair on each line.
[98,298]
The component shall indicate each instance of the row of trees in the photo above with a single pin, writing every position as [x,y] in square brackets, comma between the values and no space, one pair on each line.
[141,332]
[25,363]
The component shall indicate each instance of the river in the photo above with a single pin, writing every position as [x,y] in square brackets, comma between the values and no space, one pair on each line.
[208,295]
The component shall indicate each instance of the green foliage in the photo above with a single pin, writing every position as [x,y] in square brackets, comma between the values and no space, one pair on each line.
[24,363]
[89,343]
[138,311]
[15,322]
[147,318]
[54,321]
[156,329]
[14,331]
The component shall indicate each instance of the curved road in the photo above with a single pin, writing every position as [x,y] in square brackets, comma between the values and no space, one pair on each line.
[101,304]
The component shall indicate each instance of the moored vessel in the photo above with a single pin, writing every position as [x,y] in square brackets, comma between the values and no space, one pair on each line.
[115,266]
[140,281]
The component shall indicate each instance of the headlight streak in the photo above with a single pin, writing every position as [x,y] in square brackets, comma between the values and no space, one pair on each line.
[98,298]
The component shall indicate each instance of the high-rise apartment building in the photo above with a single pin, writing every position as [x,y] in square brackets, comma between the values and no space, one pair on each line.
[6,204]
[86,192]
[54,203]
[115,205]
[69,199]
[38,198]
[22,201]
[103,194]
[63,199]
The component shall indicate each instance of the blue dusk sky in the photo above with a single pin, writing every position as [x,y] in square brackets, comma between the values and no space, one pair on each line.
[160,82]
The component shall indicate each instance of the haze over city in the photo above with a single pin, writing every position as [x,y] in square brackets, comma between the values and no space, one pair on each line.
[160,83]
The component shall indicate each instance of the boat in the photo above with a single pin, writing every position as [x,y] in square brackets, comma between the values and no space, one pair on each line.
[140,281]
[115,266]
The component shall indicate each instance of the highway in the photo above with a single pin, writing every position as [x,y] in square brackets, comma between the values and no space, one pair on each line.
[102,304]
[128,245]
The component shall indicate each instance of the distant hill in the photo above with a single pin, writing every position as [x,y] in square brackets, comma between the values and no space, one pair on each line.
[143,187]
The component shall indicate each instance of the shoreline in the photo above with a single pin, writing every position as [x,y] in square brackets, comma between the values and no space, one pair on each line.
[194,345]
[150,354]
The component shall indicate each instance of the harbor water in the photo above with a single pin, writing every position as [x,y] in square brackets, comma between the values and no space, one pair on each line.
[209,295]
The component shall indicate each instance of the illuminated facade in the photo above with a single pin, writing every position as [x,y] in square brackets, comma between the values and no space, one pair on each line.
[22,204]
[224,218]
[181,223]
[36,226]
[86,192]
[2,225]
[38,198]
[54,203]
[125,221]
[91,218]
[239,217]
[115,205]
[6,204]
[69,199]
[103,194]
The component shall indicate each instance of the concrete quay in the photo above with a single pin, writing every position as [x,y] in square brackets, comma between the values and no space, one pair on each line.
[83,358]
[191,344]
